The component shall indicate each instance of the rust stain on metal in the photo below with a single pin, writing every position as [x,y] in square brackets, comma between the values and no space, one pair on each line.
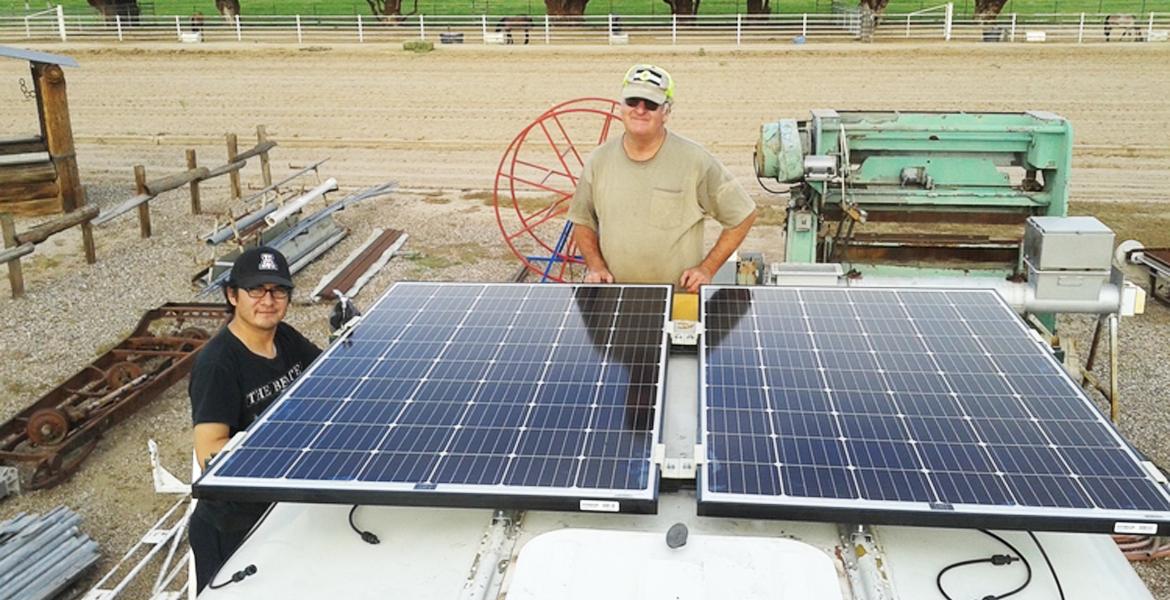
[50,438]
[350,273]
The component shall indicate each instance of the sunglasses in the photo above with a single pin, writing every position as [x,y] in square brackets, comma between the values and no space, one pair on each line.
[650,104]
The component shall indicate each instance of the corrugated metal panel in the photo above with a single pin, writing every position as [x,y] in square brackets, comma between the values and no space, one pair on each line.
[42,555]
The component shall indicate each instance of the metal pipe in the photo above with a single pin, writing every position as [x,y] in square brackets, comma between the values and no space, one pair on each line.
[225,233]
[294,205]
[1019,295]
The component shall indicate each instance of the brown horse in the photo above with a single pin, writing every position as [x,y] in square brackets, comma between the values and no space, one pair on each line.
[197,22]
[126,10]
[518,23]
[230,9]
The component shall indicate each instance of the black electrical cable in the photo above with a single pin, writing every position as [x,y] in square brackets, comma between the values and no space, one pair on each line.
[996,560]
[249,570]
[760,180]
[367,536]
[1051,569]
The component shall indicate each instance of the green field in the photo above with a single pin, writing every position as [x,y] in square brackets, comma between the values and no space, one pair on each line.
[597,7]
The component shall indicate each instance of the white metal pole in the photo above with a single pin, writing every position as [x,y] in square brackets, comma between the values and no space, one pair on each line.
[804,25]
[1013,36]
[422,28]
[61,21]
[178,28]
[546,30]
[1081,30]
[361,33]
[907,25]
[738,28]
[300,36]
[673,29]
[483,25]
[118,25]
[950,16]
[1149,28]
[239,34]
[27,30]
[610,26]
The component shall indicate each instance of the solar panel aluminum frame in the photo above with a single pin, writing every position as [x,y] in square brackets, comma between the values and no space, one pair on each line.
[246,489]
[884,512]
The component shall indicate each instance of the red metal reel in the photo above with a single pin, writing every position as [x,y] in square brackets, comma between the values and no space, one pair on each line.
[47,426]
[537,176]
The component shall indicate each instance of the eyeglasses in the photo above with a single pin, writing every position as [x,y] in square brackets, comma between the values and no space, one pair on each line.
[278,293]
[650,104]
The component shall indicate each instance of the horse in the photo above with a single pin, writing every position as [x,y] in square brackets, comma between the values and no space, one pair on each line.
[1121,26]
[507,24]
[197,22]
[230,9]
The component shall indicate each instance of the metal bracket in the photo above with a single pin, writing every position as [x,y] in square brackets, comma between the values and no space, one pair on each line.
[677,467]
[684,333]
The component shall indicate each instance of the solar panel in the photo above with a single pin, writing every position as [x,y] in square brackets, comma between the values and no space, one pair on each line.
[919,407]
[452,394]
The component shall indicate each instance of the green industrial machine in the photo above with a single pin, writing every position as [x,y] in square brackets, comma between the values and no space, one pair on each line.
[964,174]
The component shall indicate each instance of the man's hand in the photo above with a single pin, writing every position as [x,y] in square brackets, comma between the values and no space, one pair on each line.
[598,276]
[693,277]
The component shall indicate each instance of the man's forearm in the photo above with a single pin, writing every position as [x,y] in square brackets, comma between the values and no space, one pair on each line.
[586,240]
[729,240]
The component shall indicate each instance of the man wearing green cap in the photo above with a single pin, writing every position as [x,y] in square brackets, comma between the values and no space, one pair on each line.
[640,201]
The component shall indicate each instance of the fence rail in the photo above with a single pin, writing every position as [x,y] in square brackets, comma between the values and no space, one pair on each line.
[939,23]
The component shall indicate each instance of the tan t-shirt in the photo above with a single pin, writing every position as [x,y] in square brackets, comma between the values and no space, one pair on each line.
[649,215]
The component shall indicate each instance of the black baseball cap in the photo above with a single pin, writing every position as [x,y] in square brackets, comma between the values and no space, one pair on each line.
[258,266]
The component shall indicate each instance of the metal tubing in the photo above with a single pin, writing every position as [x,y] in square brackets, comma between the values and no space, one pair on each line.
[297,204]
[225,233]
[1114,403]
[1020,296]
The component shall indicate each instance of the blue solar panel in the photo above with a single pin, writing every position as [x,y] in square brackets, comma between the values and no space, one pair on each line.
[499,395]
[904,406]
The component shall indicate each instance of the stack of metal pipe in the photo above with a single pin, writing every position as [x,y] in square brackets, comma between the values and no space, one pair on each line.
[40,556]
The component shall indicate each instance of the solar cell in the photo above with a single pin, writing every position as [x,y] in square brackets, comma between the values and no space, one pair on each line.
[921,407]
[497,395]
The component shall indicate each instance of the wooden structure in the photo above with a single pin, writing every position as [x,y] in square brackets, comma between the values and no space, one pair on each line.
[38,174]
[145,190]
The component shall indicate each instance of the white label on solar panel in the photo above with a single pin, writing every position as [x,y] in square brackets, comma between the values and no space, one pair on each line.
[600,506]
[1135,528]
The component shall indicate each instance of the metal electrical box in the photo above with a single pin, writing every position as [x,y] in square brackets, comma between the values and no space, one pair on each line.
[1077,243]
[1067,258]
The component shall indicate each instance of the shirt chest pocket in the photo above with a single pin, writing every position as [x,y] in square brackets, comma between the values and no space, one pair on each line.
[667,208]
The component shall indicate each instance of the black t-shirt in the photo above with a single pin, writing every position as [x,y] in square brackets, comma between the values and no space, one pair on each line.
[232,385]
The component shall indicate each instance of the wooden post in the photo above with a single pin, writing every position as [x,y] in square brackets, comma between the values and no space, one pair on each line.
[233,150]
[87,245]
[265,168]
[192,163]
[58,132]
[144,208]
[15,274]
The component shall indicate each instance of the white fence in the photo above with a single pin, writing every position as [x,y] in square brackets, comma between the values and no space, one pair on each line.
[938,23]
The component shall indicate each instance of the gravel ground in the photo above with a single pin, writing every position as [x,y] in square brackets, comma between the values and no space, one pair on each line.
[74,311]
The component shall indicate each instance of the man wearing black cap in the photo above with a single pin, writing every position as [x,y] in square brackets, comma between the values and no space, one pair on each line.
[236,376]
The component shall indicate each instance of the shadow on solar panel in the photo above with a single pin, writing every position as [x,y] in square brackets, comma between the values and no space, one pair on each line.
[919,407]
[451,394]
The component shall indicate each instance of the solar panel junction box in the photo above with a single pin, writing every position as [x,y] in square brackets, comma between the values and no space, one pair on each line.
[684,333]
[1067,258]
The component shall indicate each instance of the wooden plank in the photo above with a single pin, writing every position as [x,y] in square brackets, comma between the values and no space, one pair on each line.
[24,191]
[27,173]
[259,149]
[22,145]
[42,232]
[265,167]
[58,132]
[33,207]
[359,266]
[17,252]
[225,169]
[178,180]
[25,158]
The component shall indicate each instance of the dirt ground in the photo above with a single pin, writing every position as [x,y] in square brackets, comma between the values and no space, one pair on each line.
[438,124]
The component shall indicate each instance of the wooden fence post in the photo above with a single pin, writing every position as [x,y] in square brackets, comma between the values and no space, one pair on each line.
[233,150]
[15,274]
[87,244]
[144,208]
[192,163]
[265,168]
